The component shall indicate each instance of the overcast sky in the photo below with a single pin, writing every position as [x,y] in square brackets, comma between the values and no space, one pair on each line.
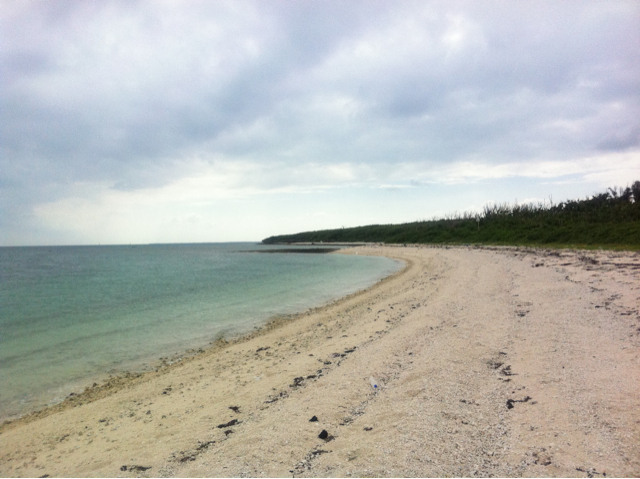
[168,121]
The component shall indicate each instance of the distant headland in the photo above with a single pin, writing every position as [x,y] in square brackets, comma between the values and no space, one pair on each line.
[610,219]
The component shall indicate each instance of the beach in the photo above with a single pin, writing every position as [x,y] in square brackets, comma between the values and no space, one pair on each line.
[487,362]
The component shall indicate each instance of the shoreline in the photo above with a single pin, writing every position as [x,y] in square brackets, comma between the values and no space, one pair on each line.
[457,341]
[107,383]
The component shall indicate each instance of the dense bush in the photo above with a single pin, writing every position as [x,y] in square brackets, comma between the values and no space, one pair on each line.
[611,218]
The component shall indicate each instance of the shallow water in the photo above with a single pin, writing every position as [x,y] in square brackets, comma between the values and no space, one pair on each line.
[73,314]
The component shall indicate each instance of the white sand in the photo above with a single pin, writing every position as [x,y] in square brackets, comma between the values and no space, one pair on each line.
[450,340]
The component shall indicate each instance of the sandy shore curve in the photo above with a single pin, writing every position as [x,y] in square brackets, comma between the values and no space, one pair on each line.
[488,362]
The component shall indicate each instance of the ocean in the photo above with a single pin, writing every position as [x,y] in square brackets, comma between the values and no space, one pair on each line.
[72,315]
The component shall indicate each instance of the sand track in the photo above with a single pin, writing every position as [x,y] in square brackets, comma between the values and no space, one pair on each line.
[494,361]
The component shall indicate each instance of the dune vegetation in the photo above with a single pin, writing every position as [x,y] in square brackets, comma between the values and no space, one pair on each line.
[609,219]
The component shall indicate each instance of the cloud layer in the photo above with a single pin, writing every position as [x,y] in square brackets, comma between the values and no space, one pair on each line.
[212,121]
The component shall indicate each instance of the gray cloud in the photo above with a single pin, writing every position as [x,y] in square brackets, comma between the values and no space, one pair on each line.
[130,93]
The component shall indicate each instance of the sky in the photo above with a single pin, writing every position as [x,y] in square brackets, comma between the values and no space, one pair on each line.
[211,121]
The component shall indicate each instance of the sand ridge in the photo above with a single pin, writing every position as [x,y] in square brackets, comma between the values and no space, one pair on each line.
[490,361]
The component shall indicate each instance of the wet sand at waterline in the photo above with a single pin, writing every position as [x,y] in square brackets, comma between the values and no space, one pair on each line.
[492,361]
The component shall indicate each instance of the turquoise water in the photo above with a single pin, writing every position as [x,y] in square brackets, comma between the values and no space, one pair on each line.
[69,315]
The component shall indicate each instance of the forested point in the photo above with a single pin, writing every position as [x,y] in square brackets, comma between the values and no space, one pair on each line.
[609,219]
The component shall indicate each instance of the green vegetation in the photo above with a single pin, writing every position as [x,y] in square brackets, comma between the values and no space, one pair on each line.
[610,219]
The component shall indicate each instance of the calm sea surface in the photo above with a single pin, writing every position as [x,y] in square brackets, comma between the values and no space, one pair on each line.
[71,315]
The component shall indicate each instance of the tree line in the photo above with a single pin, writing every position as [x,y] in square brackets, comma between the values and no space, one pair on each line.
[610,218]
